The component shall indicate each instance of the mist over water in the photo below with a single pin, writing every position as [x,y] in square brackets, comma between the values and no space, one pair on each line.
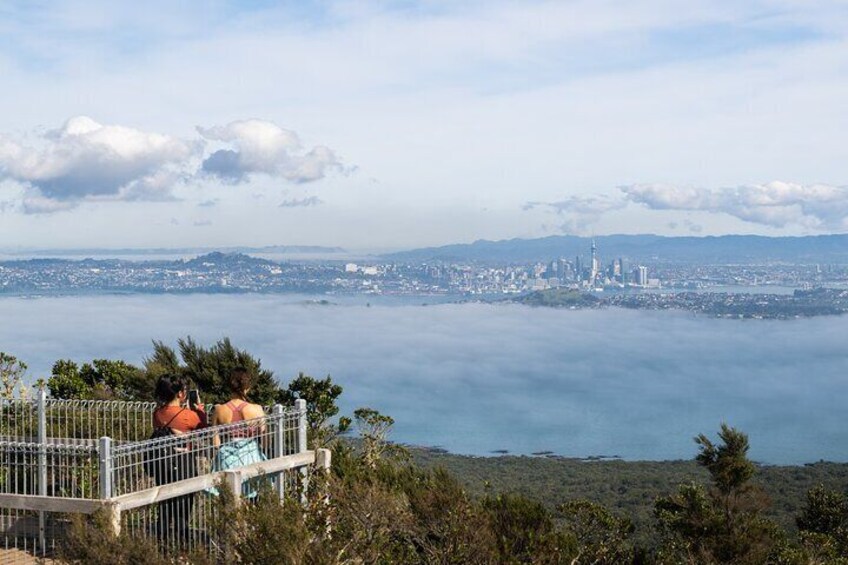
[476,378]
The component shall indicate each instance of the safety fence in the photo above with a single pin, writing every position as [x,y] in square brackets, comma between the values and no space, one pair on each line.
[102,458]
[70,422]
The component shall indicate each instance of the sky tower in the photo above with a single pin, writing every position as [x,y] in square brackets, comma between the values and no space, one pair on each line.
[595,266]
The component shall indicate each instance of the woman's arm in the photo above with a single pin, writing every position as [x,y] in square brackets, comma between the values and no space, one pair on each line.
[216,421]
[201,415]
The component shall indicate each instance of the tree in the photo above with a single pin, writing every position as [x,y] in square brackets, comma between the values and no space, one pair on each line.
[722,524]
[823,524]
[102,379]
[211,367]
[524,530]
[600,536]
[728,462]
[374,430]
[12,371]
[65,381]
[164,361]
[320,396]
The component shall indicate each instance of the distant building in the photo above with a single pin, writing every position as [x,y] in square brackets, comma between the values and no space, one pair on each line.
[564,271]
[552,271]
[596,264]
[538,284]
[640,276]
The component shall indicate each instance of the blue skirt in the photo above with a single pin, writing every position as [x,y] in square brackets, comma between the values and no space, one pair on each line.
[234,454]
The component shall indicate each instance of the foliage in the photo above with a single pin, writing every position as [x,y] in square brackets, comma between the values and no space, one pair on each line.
[448,525]
[266,531]
[823,524]
[722,524]
[524,530]
[376,506]
[320,396]
[374,429]
[728,462]
[387,510]
[559,297]
[12,371]
[102,379]
[90,540]
[209,368]
[600,536]
[628,488]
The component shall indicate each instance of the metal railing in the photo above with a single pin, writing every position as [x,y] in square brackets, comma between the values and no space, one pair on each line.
[73,421]
[77,457]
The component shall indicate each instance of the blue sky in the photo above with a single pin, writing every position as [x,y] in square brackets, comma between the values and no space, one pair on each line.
[398,124]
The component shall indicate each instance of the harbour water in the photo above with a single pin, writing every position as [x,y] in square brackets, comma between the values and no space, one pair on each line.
[480,379]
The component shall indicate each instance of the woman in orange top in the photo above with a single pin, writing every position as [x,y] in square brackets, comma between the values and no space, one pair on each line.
[172,413]
[171,392]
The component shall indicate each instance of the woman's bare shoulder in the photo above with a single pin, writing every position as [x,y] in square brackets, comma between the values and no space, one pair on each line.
[251,411]
[222,414]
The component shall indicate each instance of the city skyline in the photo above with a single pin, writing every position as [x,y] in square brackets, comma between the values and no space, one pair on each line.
[406,124]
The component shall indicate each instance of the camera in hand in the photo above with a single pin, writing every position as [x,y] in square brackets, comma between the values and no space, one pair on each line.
[193,398]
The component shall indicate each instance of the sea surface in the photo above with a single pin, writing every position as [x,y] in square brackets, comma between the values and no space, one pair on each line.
[482,379]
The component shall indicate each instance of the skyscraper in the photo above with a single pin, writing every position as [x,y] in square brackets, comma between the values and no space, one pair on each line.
[641,275]
[595,268]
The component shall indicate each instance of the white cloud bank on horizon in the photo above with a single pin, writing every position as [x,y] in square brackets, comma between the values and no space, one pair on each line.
[85,161]
[776,204]
[264,147]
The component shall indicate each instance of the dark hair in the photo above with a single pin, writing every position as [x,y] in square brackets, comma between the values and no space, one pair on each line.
[240,381]
[168,387]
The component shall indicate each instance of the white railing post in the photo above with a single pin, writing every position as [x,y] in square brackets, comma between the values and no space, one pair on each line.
[279,449]
[323,459]
[42,462]
[113,513]
[300,405]
[105,452]
[233,480]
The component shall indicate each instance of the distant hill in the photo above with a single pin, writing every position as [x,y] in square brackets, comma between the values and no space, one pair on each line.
[226,260]
[558,297]
[654,248]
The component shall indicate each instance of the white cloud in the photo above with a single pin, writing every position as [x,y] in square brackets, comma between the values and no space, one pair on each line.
[41,205]
[301,202]
[87,160]
[259,146]
[453,106]
[580,211]
[776,204]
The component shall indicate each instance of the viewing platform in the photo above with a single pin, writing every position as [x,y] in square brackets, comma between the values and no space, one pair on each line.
[60,458]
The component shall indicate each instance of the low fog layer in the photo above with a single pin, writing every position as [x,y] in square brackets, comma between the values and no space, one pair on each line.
[477,378]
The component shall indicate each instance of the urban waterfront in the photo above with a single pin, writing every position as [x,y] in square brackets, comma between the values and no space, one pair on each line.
[482,379]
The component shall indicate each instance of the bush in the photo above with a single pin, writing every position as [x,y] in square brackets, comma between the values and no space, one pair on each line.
[90,540]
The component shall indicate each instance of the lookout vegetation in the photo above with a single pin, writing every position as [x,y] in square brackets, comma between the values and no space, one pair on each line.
[379,506]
